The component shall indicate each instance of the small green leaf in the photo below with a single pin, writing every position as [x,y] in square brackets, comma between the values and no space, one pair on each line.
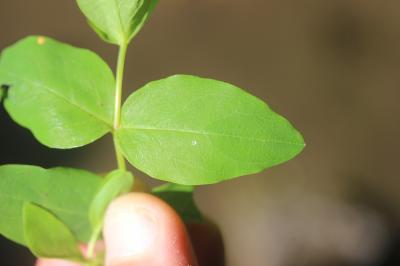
[64,95]
[117,21]
[48,237]
[67,193]
[180,197]
[191,130]
[116,183]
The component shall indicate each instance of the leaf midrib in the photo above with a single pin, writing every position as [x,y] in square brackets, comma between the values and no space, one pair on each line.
[197,132]
[60,96]
[120,20]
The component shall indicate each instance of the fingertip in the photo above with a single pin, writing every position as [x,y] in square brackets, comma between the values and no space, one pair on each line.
[54,262]
[141,229]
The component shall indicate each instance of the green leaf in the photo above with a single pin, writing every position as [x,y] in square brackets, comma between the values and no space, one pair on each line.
[64,95]
[116,183]
[100,33]
[67,193]
[47,236]
[180,197]
[193,131]
[117,21]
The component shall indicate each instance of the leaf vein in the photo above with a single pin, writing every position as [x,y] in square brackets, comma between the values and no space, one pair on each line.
[61,97]
[208,134]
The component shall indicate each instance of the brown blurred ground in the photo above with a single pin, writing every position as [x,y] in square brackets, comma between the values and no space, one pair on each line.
[331,67]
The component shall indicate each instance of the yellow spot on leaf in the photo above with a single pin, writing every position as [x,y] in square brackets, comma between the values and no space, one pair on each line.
[41,40]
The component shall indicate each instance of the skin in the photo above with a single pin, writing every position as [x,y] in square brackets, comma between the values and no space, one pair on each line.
[141,229]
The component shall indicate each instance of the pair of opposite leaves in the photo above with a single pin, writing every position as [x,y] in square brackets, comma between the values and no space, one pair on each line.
[183,129]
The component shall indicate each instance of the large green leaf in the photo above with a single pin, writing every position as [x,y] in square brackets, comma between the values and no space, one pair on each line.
[64,95]
[47,236]
[191,130]
[180,197]
[67,193]
[117,21]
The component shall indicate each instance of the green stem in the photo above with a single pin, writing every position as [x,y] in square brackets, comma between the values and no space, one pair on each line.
[118,154]
[118,99]
[92,242]
[90,254]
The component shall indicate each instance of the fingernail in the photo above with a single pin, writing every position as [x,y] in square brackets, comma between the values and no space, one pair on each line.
[134,231]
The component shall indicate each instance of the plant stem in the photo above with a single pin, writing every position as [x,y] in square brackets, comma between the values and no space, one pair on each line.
[92,242]
[118,99]
[120,158]
[118,154]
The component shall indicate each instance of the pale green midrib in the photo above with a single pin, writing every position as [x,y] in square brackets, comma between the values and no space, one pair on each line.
[196,132]
[60,96]
[120,21]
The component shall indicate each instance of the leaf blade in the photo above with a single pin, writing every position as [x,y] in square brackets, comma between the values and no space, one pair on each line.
[61,93]
[117,21]
[48,237]
[190,130]
[181,198]
[65,192]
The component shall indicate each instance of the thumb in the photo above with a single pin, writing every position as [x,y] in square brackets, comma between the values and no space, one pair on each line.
[141,229]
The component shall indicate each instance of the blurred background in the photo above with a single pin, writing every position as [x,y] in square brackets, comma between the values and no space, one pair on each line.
[330,67]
